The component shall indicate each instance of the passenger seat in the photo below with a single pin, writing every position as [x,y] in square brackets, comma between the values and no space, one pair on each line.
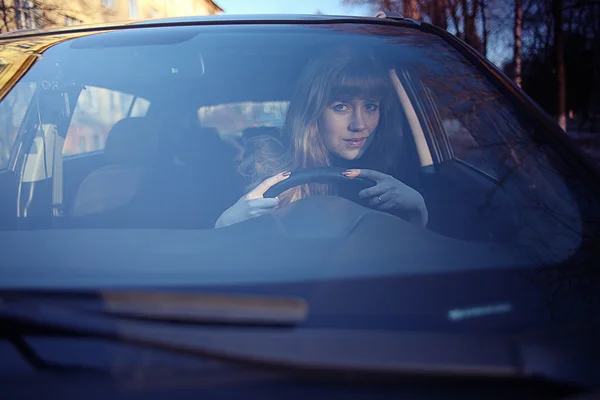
[132,147]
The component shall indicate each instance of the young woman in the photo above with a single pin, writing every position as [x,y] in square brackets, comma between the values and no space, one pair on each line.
[345,113]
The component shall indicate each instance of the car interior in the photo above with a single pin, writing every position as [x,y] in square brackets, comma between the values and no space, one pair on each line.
[163,169]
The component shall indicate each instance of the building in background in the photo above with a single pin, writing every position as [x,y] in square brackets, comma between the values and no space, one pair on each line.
[35,14]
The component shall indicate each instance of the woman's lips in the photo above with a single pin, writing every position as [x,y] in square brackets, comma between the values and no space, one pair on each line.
[355,143]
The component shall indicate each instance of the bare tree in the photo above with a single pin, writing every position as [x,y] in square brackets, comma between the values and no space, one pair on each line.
[518,28]
[462,15]
[559,54]
[484,26]
[28,14]
[410,9]
[470,11]
[537,32]
[437,12]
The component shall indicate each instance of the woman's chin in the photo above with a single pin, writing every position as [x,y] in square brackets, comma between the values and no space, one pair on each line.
[353,154]
[350,155]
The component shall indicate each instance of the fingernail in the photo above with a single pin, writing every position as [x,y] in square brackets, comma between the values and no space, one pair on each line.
[286,173]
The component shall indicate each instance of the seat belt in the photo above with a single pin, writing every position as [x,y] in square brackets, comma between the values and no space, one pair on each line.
[57,175]
[58,209]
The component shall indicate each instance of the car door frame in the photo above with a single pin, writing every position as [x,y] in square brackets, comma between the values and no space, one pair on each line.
[46,192]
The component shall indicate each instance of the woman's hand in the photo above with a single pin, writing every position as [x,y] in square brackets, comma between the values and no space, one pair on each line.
[391,194]
[252,204]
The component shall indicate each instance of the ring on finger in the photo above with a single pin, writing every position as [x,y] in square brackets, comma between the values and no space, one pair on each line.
[379,198]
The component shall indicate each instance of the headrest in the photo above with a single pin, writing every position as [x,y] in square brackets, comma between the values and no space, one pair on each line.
[199,145]
[133,141]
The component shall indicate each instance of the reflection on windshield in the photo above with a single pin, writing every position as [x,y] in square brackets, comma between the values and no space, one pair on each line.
[532,180]
[284,99]
[556,216]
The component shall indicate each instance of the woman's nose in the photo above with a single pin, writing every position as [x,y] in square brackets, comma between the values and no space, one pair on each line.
[358,121]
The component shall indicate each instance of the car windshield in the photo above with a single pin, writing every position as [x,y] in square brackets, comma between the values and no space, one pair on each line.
[168,129]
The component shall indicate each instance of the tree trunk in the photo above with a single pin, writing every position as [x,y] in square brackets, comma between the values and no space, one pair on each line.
[470,28]
[466,21]
[438,14]
[453,10]
[559,54]
[517,44]
[411,10]
[5,10]
[484,25]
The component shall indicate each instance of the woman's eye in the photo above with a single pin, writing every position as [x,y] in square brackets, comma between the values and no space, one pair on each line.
[372,107]
[340,107]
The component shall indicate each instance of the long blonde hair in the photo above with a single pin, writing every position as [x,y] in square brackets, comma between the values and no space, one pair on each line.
[341,73]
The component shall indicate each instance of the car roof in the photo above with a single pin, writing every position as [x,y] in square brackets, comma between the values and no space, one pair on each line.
[225,19]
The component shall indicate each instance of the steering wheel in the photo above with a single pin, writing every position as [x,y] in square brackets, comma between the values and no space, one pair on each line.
[332,175]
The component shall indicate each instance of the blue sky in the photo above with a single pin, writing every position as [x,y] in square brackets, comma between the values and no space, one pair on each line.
[332,7]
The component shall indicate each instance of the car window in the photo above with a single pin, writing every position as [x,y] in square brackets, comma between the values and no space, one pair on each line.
[488,133]
[464,146]
[232,118]
[12,112]
[96,111]
[456,104]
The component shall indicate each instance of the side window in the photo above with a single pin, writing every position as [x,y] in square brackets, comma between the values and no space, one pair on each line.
[12,112]
[96,111]
[466,145]
[232,118]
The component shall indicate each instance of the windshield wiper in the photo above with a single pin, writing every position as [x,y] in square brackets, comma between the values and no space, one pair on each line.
[198,309]
[66,314]
[321,352]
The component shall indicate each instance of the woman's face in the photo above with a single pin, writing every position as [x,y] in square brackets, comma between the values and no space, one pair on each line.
[347,126]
